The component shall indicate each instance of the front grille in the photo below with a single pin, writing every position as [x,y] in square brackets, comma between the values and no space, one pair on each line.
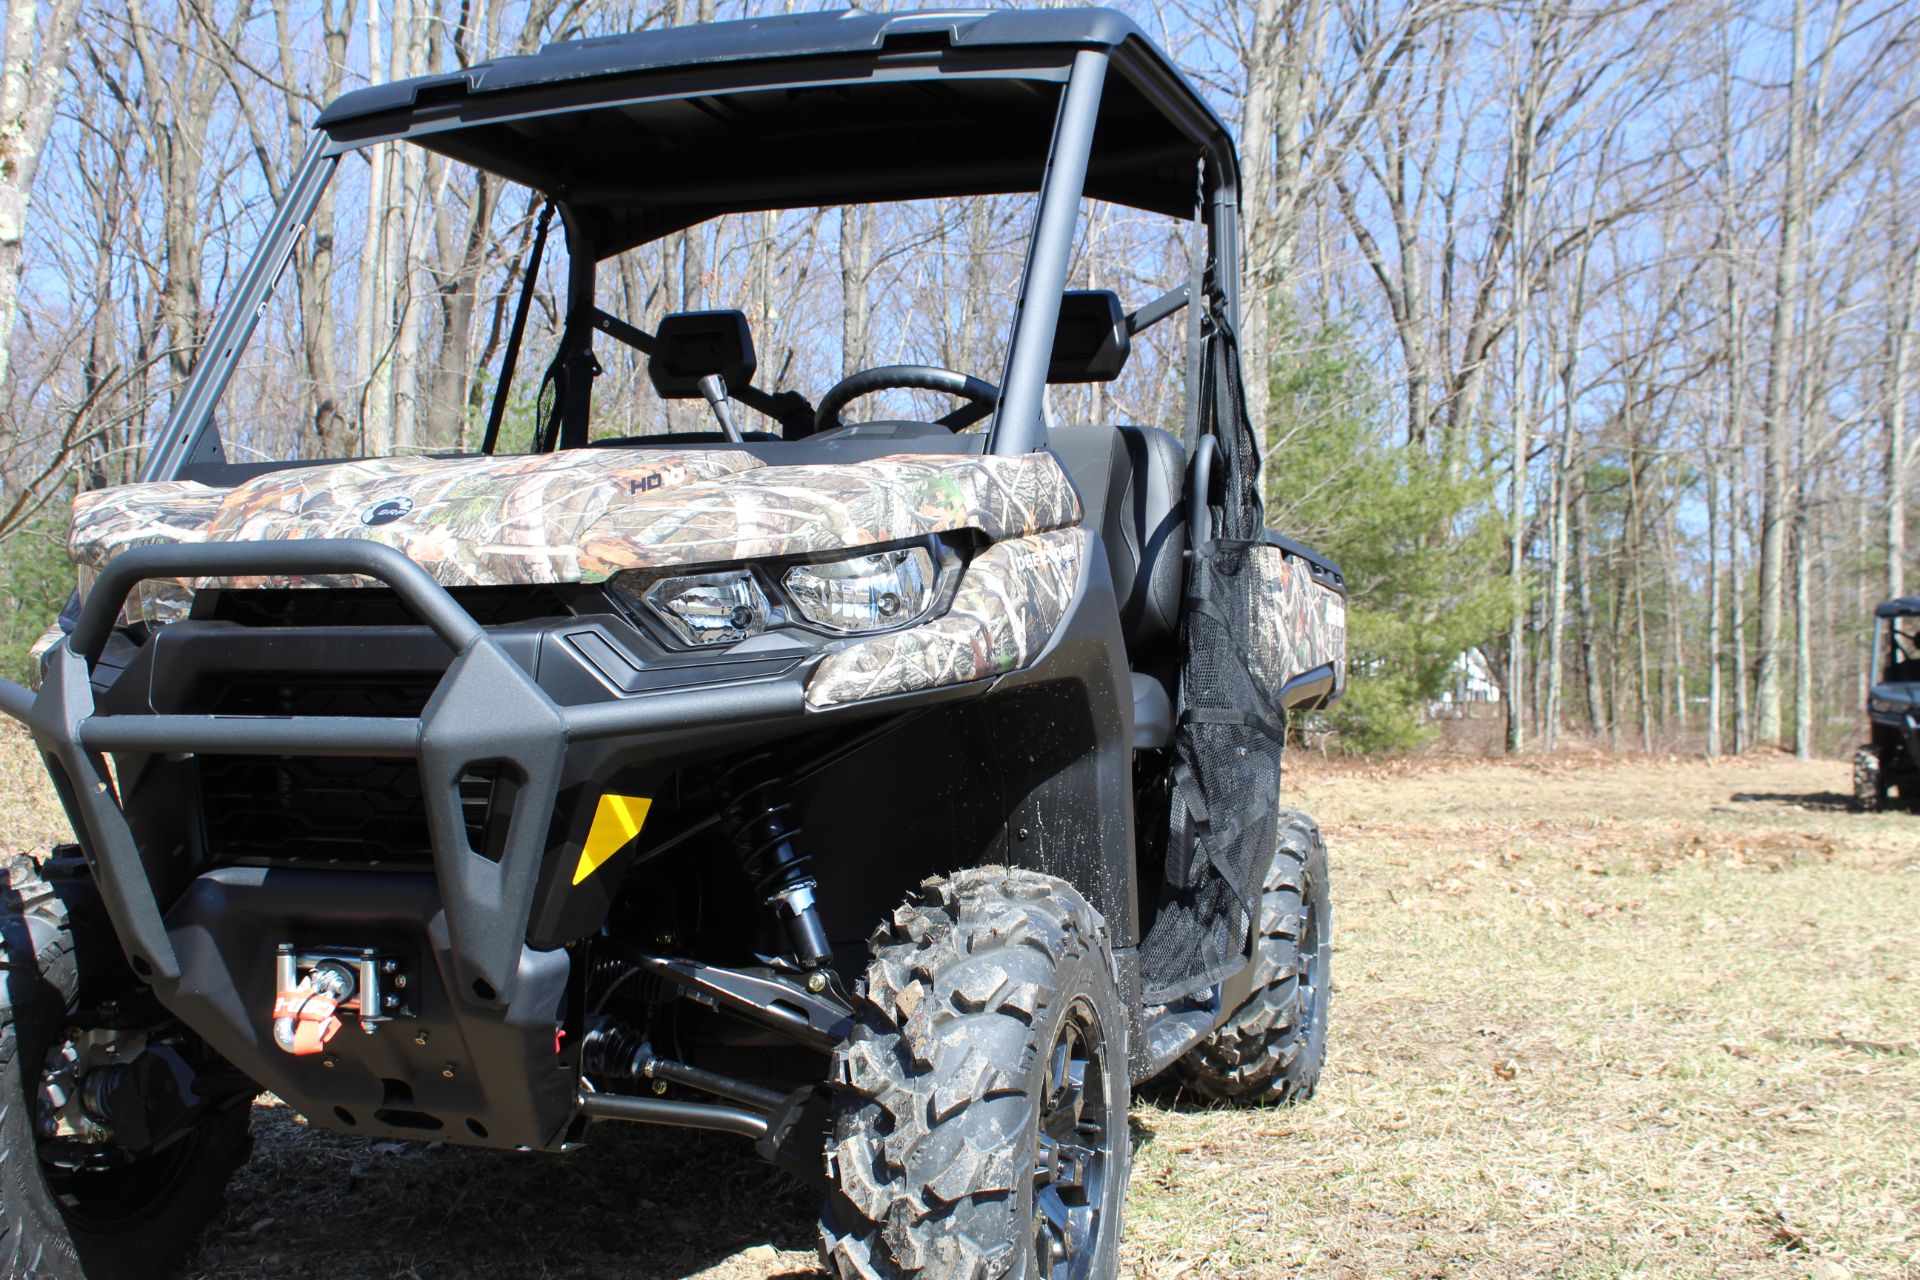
[358,693]
[371,606]
[327,811]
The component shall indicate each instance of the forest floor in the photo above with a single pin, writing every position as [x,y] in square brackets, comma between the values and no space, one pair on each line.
[1609,1018]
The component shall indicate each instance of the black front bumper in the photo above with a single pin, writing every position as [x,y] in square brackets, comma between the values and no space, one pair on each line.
[482,1058]
[488,1052]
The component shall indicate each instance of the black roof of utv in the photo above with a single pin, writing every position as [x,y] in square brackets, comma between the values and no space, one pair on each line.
[644,134]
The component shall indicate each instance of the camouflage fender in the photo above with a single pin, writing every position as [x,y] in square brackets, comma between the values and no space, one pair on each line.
[109,521]
[1300,624]
[52,636]
[580,516]
[1009,604]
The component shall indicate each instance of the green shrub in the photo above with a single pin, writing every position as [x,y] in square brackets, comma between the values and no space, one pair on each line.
[35,581]
[1417,545]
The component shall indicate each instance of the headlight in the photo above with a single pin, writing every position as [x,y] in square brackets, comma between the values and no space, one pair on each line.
[873,592]
[710,608]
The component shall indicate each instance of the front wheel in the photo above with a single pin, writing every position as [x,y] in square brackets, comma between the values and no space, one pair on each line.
[1869,784]
[76,1203]
[980,1124]
[1271,1048]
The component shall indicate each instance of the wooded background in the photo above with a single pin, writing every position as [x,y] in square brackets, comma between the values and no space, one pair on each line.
[1587,331]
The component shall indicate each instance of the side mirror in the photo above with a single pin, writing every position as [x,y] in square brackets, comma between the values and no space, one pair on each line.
[692,345]
[1091,343]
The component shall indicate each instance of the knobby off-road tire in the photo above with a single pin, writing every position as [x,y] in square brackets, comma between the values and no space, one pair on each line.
[1869,795]
[980,1123]
[118,1224]
[1272,1047]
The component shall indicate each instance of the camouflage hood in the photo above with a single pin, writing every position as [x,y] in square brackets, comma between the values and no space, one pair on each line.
[580,516]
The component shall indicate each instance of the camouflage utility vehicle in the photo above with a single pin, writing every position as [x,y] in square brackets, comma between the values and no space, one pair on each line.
[1890,760]
[894,795]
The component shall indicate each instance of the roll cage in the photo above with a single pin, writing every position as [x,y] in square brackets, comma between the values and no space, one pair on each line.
[634,137]
[1896,643]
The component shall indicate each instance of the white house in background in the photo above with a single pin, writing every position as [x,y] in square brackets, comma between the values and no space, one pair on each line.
[1470,681]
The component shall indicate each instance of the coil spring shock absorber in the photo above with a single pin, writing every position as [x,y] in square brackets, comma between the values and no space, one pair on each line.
[755,819]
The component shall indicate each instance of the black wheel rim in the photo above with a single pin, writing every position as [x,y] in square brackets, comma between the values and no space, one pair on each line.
[1073,1151]
[116,1195]
[120,1197]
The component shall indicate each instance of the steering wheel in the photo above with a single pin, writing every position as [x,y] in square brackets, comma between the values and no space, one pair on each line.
[980,396]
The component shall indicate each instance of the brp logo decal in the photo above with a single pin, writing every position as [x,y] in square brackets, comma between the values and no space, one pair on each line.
[386,511]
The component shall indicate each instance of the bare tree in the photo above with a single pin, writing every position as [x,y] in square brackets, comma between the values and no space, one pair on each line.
[1904,291]
[37,46]
[856,298]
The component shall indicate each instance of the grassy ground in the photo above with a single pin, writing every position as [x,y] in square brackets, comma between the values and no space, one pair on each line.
[1615,1019]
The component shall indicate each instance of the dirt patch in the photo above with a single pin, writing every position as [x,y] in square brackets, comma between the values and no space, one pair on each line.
[1649,1018]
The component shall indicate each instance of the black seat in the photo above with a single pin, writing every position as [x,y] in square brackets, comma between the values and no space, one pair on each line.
[1132,481]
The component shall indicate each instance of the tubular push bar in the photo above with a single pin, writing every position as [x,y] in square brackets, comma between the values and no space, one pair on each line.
[485,708]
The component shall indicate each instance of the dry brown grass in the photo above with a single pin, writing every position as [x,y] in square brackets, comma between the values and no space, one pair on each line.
[1652,1018]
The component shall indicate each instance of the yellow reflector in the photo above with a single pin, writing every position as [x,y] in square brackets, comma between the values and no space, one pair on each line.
[616,821]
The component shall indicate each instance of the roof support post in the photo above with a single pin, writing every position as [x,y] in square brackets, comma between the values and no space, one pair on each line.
[1226,242]
[575,360]
[1019,425]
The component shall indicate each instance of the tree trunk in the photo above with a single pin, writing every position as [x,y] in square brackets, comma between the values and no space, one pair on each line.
[1265,50]
[1899,362]
[1674,666]
[1636,564]
[856,301]
[372,317]
[1802,641]
[1597,720]
[1563,480]
[1774,513]
[1521,438]
[1733,315]
[30,81]
[184,68]
[1713,607]
[1283,59]
[312,265]
[414,218]
[1550,715]
[1615,644]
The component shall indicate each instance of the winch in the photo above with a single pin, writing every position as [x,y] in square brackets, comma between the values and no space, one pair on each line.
[312,988]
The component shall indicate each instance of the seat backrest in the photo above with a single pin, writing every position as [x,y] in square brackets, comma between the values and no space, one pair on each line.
[1132,481]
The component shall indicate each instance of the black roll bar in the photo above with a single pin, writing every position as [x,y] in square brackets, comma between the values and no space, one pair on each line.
[1018,424]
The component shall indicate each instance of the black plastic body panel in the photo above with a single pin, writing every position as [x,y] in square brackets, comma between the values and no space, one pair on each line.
[1034,768]
[1893,717]
[450,1073]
